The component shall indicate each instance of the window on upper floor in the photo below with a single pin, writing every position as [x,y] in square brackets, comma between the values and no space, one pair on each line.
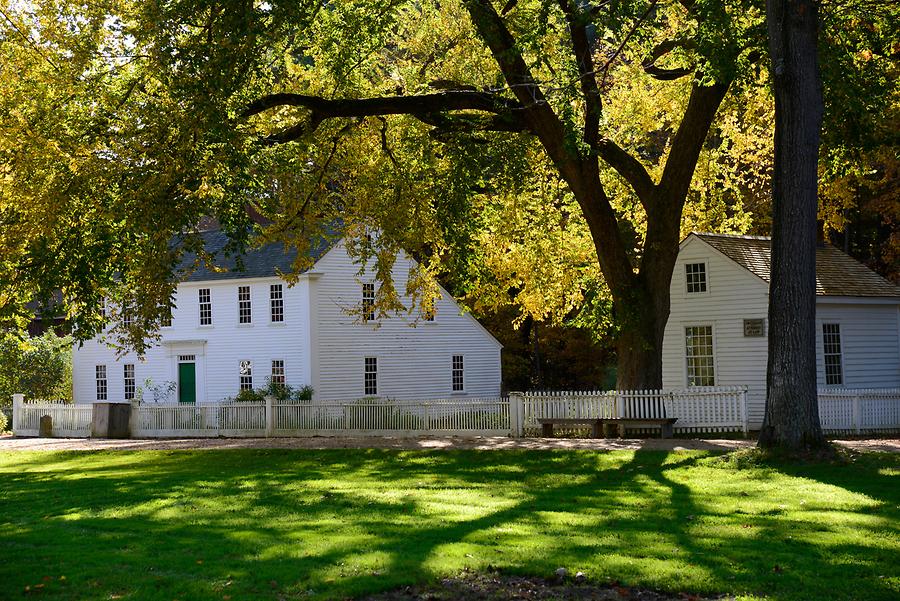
[130,387]
[368,302]
[205,307]
[695,276]
[102,384]
[276,303]
[244,312]
[700,356]
[246,375]
[166,321]
[278,371]
[458,374]
[127,315]
[370,376]
[834,363]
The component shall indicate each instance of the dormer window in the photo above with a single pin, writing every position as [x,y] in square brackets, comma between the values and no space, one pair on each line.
[695,276]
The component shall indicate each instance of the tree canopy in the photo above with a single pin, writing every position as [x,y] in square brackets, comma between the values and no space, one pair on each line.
[507,146]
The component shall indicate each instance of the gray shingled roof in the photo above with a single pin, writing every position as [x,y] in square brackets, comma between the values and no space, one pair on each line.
[837,273]
[266,261]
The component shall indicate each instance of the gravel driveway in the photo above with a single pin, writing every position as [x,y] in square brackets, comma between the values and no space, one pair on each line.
[10,443]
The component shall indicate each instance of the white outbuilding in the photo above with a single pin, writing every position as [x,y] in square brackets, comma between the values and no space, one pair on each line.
[241,327]
[717,331]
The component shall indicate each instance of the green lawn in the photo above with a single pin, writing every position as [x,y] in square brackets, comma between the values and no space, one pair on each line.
[330,524]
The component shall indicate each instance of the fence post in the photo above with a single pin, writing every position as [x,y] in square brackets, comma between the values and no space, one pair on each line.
[18,399]
[856,413]
[745,422]
[517,414]
[270,415]
[133,418]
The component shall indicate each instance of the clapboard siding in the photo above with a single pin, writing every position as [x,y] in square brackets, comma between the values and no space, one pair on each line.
[870,330]
[870,341]
[734,294]
[414,361]
[219,348]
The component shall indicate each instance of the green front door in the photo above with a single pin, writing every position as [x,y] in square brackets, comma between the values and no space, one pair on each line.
[187,383]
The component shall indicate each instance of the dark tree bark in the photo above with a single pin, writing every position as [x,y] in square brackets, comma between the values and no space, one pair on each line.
[640,292]
[792,415]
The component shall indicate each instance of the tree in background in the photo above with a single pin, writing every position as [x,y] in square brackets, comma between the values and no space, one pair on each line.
[38,367]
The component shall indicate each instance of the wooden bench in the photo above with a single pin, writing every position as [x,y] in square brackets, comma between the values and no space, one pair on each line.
[547,424]
[602,427]
[665,424]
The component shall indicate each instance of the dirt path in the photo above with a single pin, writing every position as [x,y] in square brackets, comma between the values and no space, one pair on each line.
[9,443]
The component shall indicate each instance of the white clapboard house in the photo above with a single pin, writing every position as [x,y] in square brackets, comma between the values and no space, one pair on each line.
[236,329]
[717,331]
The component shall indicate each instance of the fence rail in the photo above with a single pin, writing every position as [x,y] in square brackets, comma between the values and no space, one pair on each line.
[718,409]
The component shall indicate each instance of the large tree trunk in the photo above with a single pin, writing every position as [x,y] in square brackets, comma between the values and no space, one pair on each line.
[639,344]
[792,415]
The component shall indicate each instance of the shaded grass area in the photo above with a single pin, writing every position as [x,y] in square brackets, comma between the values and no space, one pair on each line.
[287,524]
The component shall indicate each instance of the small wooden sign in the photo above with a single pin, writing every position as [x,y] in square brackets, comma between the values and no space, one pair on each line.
[754,328]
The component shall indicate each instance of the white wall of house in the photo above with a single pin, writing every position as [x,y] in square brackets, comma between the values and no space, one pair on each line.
[870,341]
[413,361]
[218,348]
[733,295]
[870,330]
[318,341]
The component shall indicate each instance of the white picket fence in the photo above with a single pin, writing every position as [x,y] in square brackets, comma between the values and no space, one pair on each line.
[718,409]
[709,409]
[859,410]
[473,417]
[68,420]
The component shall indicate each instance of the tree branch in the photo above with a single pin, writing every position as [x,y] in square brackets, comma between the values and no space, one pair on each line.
[537,111]
[581,48]
[388,105]
[659,51]
[631,169]
[688,142]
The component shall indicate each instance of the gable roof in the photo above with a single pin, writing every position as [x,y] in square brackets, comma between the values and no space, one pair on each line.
[263,262]
[837,273]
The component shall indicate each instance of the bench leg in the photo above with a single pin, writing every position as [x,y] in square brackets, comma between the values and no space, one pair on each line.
[547,430]
[595,429]
[621,427]
[667,430]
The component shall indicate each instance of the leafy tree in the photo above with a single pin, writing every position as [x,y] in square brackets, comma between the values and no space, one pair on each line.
[39,368]
[537,152]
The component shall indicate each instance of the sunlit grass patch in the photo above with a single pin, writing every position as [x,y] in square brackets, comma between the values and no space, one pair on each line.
[272,524]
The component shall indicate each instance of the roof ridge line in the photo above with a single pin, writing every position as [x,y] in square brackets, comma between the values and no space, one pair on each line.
[740,236]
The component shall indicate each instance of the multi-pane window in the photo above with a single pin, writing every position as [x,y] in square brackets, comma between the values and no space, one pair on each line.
[368,301]
[700,358]
[831,339]
[101,382]
[129,381]
[458,374]
[276,302]
[127,315]
[246,375]
[244,314]
[205,307]
[103,307]
[278,371]
[695,275]
[371,376]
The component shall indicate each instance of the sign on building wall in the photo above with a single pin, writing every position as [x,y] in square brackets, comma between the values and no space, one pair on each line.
[754,328]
